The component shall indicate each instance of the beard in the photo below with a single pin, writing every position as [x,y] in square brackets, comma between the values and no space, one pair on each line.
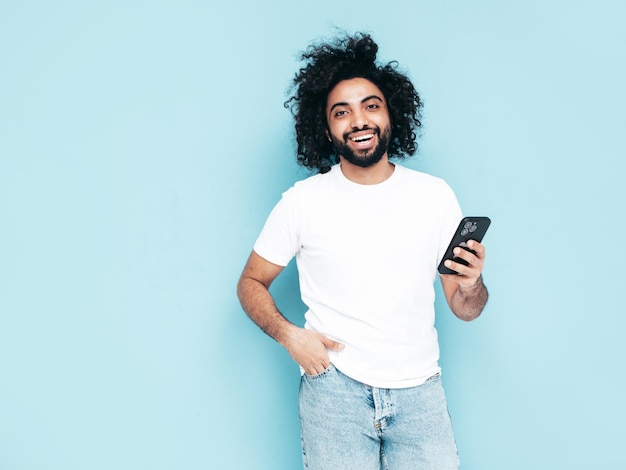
[363,158]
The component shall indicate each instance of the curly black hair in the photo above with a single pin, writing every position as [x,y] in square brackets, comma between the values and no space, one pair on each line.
[344,58]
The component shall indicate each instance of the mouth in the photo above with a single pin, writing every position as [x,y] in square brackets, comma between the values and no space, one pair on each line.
[362,138]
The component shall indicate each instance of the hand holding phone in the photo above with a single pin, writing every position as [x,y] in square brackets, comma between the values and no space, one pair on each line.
[470,228]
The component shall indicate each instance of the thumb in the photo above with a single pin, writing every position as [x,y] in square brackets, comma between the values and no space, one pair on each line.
[332,344]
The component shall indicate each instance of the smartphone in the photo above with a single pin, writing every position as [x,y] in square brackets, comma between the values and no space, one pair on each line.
[470,228]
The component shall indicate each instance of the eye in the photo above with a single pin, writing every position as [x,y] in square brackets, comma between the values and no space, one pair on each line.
[372,106]
[341,112]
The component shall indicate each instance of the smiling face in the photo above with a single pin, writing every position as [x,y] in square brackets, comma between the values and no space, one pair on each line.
[358,121]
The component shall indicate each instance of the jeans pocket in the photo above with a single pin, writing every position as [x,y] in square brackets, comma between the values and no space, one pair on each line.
[321,374]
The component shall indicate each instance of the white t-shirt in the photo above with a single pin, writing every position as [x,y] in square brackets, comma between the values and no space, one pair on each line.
[367,259]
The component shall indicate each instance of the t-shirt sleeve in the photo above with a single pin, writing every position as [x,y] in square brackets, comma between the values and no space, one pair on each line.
[452,215]
[278,241]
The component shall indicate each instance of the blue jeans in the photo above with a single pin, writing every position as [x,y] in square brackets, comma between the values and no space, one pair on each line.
[347,425]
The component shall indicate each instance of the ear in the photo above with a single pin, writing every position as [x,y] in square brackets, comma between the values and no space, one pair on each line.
[327,132]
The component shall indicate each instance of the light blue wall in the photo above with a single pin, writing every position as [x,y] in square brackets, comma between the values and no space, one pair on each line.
[142,145]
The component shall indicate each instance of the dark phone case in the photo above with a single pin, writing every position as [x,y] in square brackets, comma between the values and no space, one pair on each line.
[470,228]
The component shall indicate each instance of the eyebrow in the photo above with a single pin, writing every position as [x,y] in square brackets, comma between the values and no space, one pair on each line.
[367,98]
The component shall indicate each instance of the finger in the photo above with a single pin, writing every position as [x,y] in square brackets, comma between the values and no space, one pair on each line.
[454,266]
[463,261]
[317,369]
[464,254]
[463,270]
[332,344]
[479,248]
[473,260]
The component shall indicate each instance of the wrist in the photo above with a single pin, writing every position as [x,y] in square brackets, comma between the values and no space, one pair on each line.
[477,284]
[287,335]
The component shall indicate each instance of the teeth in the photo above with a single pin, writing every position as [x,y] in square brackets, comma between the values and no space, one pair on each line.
[362,138]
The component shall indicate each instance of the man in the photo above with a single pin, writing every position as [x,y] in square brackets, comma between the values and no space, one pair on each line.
[367,235]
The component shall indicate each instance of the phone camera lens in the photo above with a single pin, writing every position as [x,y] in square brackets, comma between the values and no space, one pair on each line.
[464,232]
[472,228]
[467,224]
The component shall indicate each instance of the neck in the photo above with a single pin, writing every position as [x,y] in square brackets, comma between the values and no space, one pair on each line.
[374,174]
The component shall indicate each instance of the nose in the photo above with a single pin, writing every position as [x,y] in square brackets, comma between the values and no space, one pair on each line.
[359,119]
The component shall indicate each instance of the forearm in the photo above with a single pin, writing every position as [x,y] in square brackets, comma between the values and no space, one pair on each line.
[467,303]
[259,304]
